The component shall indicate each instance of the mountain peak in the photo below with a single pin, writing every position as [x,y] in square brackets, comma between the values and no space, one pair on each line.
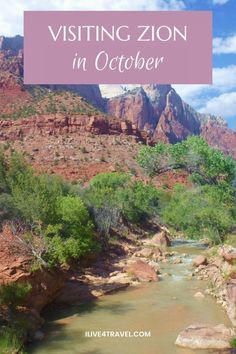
[14,44]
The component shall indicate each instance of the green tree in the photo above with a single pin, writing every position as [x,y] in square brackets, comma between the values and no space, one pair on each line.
[200,212]
[73,237]
[205,164]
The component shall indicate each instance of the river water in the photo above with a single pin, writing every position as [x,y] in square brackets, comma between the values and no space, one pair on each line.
[164,308]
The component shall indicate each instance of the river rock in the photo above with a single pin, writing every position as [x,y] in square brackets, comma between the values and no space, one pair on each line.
[142,271]
[162,239]
[229,254]
[39,335]
[157,253]
[199,260]
[155,266]
[145,252]
[231,301]
[204,336]
[177,260]
[199,295]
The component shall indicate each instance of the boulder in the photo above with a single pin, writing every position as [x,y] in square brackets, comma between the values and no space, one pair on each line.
[145,252]
[157,253]
[199,260]
[204,336]
[177,260]
[229,254]
[231,301]
[162,239]
[150,252]
[142,271]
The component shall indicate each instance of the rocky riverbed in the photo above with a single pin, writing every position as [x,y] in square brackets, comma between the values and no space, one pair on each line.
[168,289]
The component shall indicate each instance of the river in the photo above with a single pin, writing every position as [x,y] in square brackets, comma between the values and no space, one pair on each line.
[164,308]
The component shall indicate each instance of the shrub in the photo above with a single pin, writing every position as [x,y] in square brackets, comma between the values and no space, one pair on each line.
[233,343]
[74,217]
[74,236]
[112,196]
[139,202]
[109,180]
[13,294]
[35,197]
[200,212]
[10,340]
[206,164]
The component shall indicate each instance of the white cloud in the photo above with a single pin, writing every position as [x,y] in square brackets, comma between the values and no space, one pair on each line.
[224,45]
[224,104]
[224,80]
[11,15]
[220,2]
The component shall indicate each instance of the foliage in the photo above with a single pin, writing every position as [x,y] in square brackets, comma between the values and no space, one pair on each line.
[35,197]
[13,294]
[233,342]
[11,339]
[54,225]
[204,211]
[206,164]
[73,237]
[115,196]
[139,202]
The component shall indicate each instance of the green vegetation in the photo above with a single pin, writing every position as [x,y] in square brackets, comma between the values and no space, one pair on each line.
[233,343]
[13,330]
[13,294]
[205,164]
[207,208]
[10,340]
[55,226]
[200,212]
[46,102]
[115,199]
[60,223]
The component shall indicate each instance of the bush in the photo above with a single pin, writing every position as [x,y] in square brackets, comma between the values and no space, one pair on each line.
[112,196]
[74,236]
[110,181]
[200,212]
[10,340]
[14,294]
[35,197]
[233,343]
[139,202]
[206,164]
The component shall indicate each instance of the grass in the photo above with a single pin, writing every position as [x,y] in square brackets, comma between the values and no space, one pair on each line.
[233,342]
[10,341]
[231,240]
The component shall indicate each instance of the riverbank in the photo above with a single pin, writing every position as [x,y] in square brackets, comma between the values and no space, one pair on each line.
[134,262]
[165,307]
[220,270]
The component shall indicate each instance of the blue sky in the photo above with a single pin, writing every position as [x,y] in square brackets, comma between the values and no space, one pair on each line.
[218,99]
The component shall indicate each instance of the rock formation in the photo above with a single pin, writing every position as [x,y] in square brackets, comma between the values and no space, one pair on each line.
[161,112]
[155,109]
[204,336]
[11,62]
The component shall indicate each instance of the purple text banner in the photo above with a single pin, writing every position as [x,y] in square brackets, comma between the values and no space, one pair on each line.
[117,47]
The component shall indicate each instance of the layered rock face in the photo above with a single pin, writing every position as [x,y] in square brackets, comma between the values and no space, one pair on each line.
[220,136]
[161,112]
[59,124]
[155,109]
[11,63]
